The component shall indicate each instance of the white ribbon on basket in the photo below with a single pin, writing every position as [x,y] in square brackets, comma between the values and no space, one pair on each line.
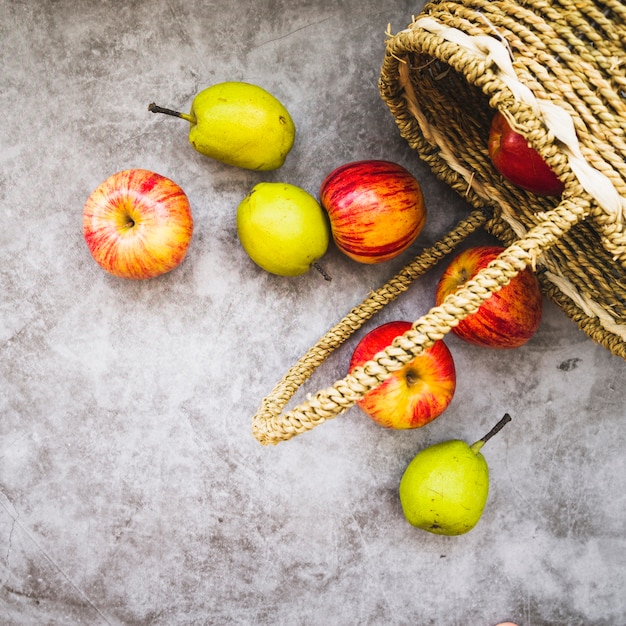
[558,121]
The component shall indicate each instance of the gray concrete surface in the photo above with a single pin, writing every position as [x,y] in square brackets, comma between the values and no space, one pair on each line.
[131,488]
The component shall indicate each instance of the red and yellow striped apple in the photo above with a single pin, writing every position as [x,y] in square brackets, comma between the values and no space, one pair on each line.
[509,317]
[137,224]
[414,395]
[376,209]
[518,161]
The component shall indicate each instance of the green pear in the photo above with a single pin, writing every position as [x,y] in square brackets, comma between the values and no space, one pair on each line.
[239,124]
[444,489]
[283,229]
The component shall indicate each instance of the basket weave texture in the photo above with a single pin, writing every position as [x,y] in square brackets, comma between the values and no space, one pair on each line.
[557,71]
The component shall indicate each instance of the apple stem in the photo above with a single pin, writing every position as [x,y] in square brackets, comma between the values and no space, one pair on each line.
[157,109]
[494,431]
[322,271]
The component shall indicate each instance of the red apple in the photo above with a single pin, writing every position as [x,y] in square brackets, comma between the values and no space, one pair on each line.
[376,209]
[137,224]
[509,318]
[414,395]
[518,161]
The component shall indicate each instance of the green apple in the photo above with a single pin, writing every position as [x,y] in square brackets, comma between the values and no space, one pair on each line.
[283,228]
[444,489]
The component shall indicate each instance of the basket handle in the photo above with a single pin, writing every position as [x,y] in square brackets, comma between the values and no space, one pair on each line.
[271,426]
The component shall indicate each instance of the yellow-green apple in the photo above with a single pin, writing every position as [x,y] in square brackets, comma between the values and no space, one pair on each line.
[414,395]
[518,161]
[283,229]
[376,209]
[509,317]
[137,224]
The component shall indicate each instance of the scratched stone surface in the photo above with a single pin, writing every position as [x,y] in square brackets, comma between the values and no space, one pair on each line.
[131,488]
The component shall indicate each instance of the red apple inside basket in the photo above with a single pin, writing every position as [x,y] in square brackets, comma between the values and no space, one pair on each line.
[414,395]
[518,161]
[509,317]
[137,224]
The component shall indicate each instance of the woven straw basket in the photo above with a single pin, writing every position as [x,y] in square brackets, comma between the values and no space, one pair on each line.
[557,71]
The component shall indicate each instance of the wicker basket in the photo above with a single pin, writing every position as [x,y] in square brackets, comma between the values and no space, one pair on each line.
[557,71]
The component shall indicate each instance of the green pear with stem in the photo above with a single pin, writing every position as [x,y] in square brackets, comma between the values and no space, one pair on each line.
[445,487]
[239,124]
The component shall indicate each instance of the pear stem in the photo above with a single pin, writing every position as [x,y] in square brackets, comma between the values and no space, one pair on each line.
[497,428]
[477,445]
[322,271]
[185,116]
